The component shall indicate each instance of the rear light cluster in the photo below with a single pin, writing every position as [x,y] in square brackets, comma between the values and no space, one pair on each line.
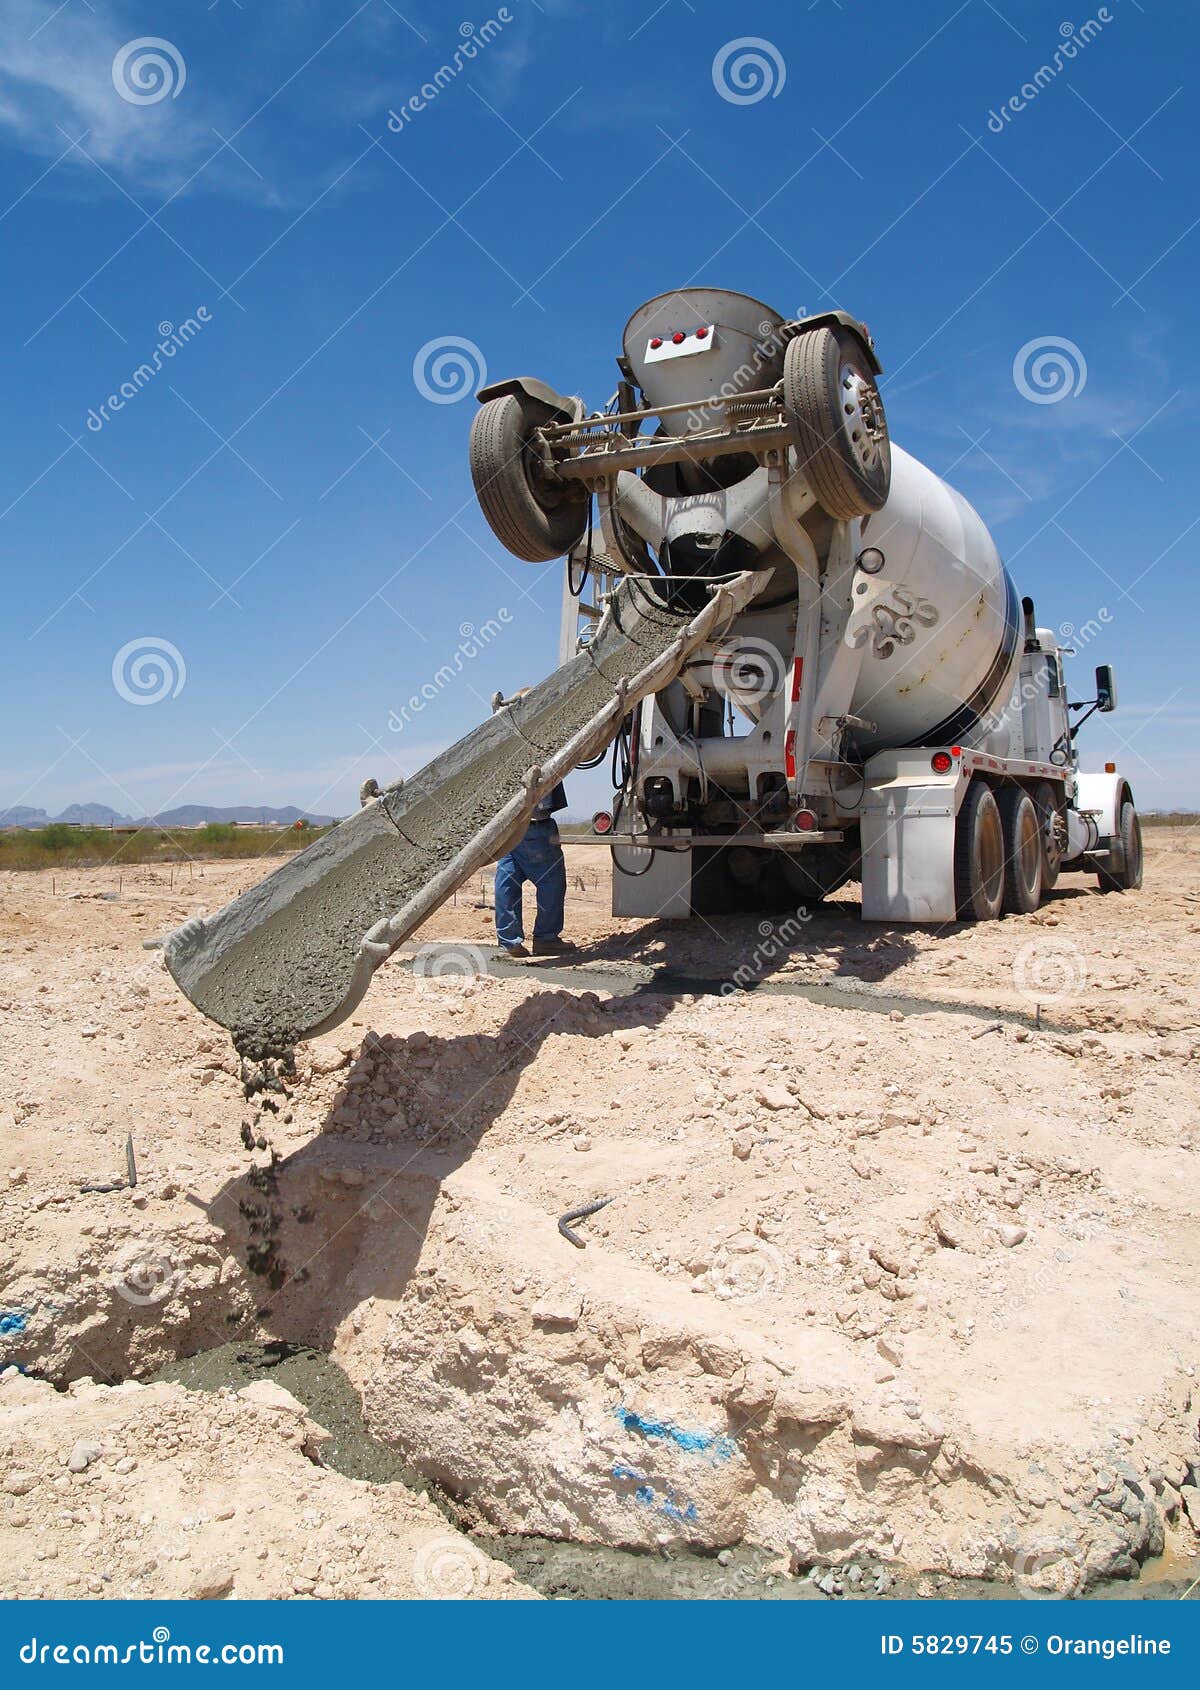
[943,761]
[602,821]
[678,338]
[804,821]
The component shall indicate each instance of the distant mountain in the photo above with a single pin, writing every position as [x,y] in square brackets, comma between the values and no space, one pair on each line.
[91,815]
[185,815]
[22,816]
[195,815]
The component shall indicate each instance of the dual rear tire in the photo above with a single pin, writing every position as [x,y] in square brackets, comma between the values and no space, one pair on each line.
[999,854]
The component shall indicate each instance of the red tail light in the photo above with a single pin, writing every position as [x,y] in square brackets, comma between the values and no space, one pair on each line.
[941,762]
[804,821]
[602,821]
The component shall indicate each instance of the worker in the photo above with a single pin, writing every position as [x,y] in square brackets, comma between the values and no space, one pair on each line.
[538,858]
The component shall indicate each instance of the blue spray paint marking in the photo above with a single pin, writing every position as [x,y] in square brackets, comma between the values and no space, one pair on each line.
[648,1497]
[719,1447]
[13,1321]
[620,1471]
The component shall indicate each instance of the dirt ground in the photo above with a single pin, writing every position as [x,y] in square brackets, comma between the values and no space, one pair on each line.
[889,1273]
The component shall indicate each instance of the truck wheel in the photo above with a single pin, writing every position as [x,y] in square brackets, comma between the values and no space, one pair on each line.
[1023,851]
[978,856]
[1128,877]
[531,517]
[1053,824]
[837,421]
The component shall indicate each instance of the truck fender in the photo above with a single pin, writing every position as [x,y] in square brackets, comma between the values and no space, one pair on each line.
[1104,794]
[529,387]
[842,319]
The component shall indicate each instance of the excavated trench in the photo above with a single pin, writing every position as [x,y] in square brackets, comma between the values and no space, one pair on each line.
[287,1336]
[605,1435]
[560,1569]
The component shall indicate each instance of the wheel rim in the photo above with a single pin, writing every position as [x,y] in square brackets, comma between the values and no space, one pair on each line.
[1029,849]
[862,413]
[989,855]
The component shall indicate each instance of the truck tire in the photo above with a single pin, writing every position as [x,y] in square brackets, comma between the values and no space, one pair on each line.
[1128,876]
[837,421]
[1023,851]
[531,518]
[1053,823]
[978,856]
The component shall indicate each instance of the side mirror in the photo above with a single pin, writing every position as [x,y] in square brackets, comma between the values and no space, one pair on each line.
[1106,688]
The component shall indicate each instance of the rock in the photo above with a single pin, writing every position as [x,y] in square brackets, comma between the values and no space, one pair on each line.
[949,1231]
[810,1408]
[751,1391]
[742,1145]
[581,1142]
[267,1394]
[774,1097]
[887,1259]
[559,1311]
[82,1456]
[887,1426]
[718,1355]
[1011,1236]
[211,1582]
[20,1482]
[725,1558]
[1189,1495]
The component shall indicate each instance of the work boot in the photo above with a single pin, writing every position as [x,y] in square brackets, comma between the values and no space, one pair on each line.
[514,950]
[553,947]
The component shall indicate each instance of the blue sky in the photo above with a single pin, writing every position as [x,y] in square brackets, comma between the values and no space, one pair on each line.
[285,506]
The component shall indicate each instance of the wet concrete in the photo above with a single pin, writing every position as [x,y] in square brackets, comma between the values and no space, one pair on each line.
[592,1572]
[314,1380]
[635,979]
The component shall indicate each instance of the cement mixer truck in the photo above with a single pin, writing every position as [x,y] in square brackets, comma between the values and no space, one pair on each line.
[884,710]
[799,644]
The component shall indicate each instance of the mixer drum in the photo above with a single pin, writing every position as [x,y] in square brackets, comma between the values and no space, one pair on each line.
[942,655]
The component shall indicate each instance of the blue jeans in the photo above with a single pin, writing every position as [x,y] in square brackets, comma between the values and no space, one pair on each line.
[539,858]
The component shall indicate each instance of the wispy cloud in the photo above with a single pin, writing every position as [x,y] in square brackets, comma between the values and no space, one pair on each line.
[56,86]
